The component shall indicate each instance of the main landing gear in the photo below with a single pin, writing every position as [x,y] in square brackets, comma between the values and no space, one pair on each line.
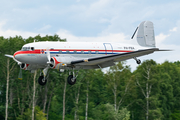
[72,78]
[138,61]
[42,80]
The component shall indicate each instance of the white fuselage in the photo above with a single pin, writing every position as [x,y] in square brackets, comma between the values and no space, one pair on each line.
[36,53]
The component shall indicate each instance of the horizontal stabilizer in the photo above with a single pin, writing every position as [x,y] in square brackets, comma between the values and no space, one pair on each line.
[165,50]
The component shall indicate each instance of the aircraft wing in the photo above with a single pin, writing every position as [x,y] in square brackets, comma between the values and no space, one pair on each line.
[105,61]
[10,56]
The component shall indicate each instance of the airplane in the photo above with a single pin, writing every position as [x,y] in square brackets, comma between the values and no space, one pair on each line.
[84,55]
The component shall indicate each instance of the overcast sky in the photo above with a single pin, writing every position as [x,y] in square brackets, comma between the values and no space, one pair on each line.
[95,20]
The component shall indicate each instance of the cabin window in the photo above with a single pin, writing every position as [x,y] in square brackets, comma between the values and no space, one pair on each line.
[32,48]
[67,51]
[89,52]
[82,51]
[75,52]
[60,52]
[97,52]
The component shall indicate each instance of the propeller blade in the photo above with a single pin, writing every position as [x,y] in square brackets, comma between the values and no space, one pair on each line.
[20,74]
[45,70]
[48,55]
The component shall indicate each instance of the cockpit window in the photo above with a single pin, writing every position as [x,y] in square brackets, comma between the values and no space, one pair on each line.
[24,48]
[27,48]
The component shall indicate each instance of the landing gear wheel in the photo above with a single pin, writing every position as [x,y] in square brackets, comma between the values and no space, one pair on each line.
[42,80]
[138,61]
[71,80]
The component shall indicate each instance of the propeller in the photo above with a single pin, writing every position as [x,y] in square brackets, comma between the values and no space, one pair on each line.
[20,71]
[20,74]
[45,70]
[48,56]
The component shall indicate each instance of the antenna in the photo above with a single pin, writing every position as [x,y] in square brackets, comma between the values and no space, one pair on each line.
[134,33]
[34,40]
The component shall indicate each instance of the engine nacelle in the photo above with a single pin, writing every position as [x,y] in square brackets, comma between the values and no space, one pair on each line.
[57,62]
[24,66]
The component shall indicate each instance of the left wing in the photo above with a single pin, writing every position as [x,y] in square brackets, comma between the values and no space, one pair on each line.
[11,56]
[105,61]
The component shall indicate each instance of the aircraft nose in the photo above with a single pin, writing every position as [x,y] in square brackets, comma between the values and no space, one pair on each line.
[17,55]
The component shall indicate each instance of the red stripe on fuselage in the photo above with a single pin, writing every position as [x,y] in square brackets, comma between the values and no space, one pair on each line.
[92,50]
[39,51]
[27,52]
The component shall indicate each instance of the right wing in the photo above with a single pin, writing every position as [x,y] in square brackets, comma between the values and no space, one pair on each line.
[105,61]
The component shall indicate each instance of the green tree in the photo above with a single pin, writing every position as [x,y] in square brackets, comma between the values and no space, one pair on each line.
[147,80]
[119,81]
[122,114]
[39,115]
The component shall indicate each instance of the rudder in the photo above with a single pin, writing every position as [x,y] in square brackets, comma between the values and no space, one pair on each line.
[145,34]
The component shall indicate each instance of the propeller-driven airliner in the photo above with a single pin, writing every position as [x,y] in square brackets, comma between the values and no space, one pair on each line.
[83,55]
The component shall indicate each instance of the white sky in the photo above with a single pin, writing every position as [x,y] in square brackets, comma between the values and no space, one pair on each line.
[95,20]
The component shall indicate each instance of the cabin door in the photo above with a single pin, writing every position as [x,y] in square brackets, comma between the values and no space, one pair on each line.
[108,48]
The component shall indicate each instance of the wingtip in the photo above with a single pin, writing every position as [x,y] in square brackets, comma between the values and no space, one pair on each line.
[10,56]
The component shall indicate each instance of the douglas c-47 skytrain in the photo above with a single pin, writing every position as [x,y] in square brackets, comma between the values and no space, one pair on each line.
[84,55]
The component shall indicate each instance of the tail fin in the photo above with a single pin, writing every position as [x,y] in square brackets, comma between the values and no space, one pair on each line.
[145,34]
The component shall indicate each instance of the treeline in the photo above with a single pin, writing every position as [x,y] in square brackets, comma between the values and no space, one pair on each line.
[151,92]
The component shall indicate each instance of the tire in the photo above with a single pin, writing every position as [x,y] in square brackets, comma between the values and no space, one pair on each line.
[70,80]
[138,61]
[41,80]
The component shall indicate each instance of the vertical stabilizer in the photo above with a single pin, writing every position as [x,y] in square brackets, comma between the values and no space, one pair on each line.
[145,34]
